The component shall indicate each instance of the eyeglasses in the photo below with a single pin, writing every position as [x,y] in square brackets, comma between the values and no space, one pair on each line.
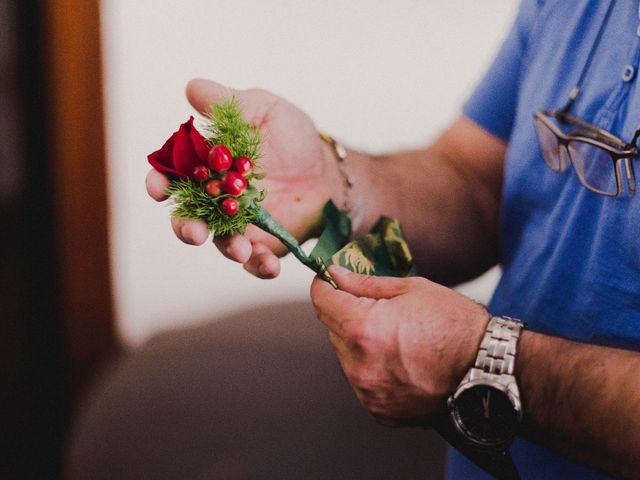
[597,156]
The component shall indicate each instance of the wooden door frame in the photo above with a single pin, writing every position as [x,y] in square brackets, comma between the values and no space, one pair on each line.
[56,325]
[76,122]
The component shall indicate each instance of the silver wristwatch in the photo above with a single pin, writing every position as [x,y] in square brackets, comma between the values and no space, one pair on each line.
[486,408]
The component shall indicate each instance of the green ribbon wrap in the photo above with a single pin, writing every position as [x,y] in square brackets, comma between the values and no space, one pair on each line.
[382,252]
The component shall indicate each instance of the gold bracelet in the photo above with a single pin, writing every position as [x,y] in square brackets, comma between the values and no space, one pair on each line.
[341,156]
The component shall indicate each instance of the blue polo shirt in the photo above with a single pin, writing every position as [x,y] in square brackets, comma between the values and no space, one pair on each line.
[570,257]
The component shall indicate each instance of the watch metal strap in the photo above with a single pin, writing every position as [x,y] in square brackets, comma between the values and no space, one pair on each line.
[497,351]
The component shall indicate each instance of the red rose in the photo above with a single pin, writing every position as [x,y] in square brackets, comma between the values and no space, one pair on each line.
[182,153]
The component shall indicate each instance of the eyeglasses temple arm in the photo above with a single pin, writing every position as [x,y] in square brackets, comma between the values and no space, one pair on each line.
[636,135]
[575,91]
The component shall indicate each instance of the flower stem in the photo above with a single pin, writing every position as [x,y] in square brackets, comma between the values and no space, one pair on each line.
[266,222]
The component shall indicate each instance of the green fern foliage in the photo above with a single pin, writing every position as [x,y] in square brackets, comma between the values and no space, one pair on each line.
[190,199]
[226,126]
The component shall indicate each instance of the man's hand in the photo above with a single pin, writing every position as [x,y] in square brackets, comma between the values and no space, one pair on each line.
[403,343]
[301,176]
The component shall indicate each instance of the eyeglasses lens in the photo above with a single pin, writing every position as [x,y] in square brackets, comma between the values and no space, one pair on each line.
[594,166]
[549,146]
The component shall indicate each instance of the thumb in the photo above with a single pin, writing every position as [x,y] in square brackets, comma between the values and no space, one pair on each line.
[202,93]
[368,285]
[254,103]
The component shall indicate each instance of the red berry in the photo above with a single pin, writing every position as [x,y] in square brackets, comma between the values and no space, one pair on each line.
[243,165]
[214,187]
[219,158]
[200,173]
[234,183]
[229,206]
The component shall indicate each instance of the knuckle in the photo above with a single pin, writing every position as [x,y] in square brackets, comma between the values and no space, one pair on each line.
[262,100]
[315,298]
[314,302]
[417,282]
[363,379]
[221,243]
[258,93]
[369,282]
[366,339]
[382,413]
[176,225]
[384,420]
[193,233]
[250,268]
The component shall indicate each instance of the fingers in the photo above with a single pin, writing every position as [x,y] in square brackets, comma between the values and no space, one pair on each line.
[202,93]
[235,247]
[355,296]
[192,232]
[337,308]
[254,103]
[256,257]
[157,185]
[263,262]
[367,285]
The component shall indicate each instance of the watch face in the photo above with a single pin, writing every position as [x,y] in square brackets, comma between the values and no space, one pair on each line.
[486,415]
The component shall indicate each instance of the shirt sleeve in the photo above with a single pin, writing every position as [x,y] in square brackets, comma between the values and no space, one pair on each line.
[492,105]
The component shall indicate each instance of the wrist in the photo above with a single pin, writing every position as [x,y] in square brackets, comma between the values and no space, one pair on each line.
[364,193]
[469,344]
[337,181]
[348,175]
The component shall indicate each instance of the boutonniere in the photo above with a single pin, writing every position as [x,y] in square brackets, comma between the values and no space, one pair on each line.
[215,177]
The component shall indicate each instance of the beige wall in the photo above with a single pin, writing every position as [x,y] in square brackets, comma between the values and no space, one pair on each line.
[378,75]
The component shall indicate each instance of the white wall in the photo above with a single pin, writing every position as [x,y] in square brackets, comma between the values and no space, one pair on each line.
[377,74]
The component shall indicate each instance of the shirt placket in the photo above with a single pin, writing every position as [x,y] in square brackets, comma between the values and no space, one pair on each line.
[627,76]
